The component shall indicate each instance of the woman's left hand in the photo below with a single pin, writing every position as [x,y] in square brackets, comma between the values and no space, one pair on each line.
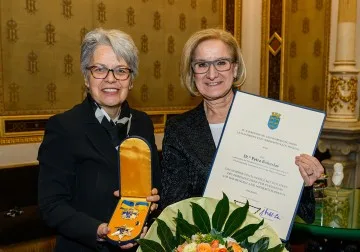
[310,168]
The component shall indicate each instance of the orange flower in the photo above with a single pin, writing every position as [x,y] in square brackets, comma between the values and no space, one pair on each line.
[203,247]
[215,244]
[236,247]
[181,247]
[220,250]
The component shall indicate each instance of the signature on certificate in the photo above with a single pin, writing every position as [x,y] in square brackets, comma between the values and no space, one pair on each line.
[267,213]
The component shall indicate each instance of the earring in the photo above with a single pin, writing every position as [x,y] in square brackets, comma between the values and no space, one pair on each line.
[131,86]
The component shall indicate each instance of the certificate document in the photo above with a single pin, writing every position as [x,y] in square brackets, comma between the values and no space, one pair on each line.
[255,159]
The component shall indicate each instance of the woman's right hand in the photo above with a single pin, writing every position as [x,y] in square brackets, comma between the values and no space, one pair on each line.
[102,231]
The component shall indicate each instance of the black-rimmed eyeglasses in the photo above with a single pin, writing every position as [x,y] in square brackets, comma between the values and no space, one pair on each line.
[221,65]
[100,72]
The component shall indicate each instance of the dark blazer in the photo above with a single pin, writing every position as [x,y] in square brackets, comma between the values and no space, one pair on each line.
[188,153]
[79,172]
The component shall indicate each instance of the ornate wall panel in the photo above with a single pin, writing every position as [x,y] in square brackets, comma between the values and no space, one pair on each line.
[295,51]
[40,44]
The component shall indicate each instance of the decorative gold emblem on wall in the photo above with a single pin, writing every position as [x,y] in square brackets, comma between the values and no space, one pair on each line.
[342,90]
[14,94]
[68,65]
[30,6]
[157,69]
[83,32]
[51,91]
[67,8]
[317,48]
[12,31]
[304,71]
[171,93]
[293,49]
[101,13]
[32,63]
[291,93]
[306,25]
[214,6]
[294,6]
[319,4]
[171,2]
[157,21]
[275,43]
[182,22]
[193,4]
[203,23]
[316,93]
[144,93]
[171,44]
[144,44]
[130,12]
[50,34]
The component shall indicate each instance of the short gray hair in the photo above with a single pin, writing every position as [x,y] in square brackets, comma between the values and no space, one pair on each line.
[121,42]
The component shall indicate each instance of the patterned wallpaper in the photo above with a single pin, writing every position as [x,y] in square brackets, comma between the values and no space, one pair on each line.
[40,44]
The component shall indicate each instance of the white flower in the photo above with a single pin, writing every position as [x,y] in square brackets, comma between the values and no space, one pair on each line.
[190,247]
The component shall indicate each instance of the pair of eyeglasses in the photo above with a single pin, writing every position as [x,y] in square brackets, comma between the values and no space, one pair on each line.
[221,65]
[119,73]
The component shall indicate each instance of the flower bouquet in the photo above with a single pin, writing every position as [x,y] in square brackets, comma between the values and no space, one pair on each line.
[206,224]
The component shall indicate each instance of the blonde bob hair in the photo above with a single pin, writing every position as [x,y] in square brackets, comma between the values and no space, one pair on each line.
[186,71]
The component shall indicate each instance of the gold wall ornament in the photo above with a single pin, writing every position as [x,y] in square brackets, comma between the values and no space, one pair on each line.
[182,22]
[157,69]
[319,4]
[144,93]
[32,63]
[171,44]
[343,91]
[214,6]
[317,48]
[14,94]
[30,6]
[171,92]
[50,34]
[68,65]
[291,93]
[293,49]
[203,23]
[306,25]
[316,93]
[193,4]
[67,7]
[12,26]
[130,13]
[157,21]
[294,6]
[171,2]
[101,13]
[304,71]
[83,32]
[144,43]
[51,93]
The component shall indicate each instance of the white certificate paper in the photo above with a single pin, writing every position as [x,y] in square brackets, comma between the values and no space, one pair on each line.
[255,159]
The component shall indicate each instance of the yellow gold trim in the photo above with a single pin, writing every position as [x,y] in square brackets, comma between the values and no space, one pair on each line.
[265,27]
[9,166]
[275,36]
[238,23]
[283,48]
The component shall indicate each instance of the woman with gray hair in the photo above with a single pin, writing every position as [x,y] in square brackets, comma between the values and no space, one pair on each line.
[212,67]
[79,171]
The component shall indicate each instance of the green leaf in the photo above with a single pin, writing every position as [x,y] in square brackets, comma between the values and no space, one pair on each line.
[165,235]
[246,231]
[277,248]
[150,246]
[235,219]
[185,228]
[261,245]
[201,218]
[221,213]
[179,239]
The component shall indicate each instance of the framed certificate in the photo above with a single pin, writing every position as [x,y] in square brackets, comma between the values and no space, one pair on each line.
[255,159]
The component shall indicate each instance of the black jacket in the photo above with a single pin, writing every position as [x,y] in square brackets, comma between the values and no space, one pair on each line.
[79,172]
[188,153]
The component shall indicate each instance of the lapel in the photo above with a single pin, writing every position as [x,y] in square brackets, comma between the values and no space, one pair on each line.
[203,145]
[97,135]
